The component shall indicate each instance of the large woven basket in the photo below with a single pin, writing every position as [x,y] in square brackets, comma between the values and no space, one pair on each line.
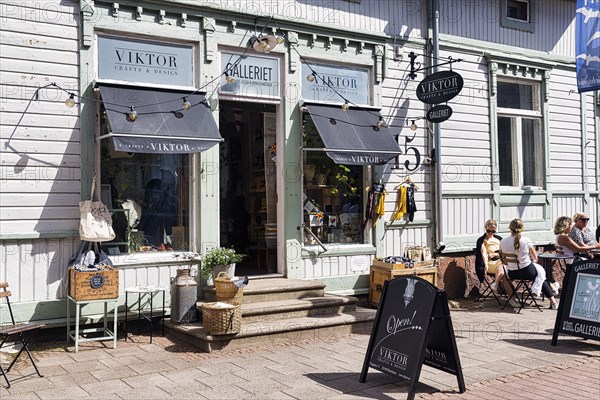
[221,318]
[226,291]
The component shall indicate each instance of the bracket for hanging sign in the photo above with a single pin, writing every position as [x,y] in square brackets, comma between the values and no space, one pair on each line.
[413,71]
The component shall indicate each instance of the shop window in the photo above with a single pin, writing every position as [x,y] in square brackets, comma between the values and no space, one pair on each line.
[520,141]
[517,14]
[148,198]
[333,204]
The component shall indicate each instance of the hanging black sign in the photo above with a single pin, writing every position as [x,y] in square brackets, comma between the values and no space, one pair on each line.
[439,113]
[412,328]
[439,87]
[579,309]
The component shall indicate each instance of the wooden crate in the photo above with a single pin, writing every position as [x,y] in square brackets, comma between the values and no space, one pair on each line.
[380,274]
[418,264]
[94,285]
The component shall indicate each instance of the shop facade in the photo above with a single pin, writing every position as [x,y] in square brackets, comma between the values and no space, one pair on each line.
[254,160]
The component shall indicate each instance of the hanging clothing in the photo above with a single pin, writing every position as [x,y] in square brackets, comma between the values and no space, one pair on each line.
[370,207]
[380,208]
[411,206]
[400,204]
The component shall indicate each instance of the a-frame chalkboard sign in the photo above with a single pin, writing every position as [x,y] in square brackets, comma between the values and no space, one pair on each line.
[412,328]
[579,308]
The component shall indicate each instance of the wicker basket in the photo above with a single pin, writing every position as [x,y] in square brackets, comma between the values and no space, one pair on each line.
[221,318]
[226,291]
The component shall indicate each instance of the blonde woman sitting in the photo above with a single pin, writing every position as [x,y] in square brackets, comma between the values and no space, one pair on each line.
[526,255]
[487,256]
[562,229]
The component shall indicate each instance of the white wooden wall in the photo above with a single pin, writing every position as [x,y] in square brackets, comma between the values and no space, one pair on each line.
[40,166]
[480,20]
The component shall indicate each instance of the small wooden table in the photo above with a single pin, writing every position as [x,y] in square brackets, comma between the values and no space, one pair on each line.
[107,333]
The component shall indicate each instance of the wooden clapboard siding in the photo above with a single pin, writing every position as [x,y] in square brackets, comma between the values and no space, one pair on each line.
[464,215]
[480,20]
[325,267]
[564,128]
[369,15]
[40,167]
[397,240]
[566,204]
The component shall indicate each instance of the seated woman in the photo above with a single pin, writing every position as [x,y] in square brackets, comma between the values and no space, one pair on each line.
[487,255]
[526,255]
[562,229]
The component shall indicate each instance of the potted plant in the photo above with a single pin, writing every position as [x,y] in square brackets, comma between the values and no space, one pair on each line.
[218,260]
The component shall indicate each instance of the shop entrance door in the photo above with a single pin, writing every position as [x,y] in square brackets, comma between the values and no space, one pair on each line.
[248,185]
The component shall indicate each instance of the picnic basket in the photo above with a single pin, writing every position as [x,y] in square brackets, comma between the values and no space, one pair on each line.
[227,291]
[221,318]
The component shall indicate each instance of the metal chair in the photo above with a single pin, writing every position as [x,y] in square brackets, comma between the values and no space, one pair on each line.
[15,329]
[487,291]
[517,284]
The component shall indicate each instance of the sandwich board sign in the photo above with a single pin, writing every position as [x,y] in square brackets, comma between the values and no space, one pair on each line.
[412,327]
[579,309]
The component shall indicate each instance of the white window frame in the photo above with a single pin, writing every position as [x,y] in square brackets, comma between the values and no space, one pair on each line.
[517,115]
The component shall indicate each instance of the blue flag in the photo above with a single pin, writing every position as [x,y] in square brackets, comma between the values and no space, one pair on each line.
[587,45]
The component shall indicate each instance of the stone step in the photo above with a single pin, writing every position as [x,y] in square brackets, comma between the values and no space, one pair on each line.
[294,308]
[264,333]
[272,289]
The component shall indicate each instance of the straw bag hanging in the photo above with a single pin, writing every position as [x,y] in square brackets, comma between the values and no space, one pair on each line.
[96,223]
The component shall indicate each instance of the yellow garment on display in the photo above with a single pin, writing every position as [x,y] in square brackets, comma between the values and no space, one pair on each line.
[380,208]
[400,204]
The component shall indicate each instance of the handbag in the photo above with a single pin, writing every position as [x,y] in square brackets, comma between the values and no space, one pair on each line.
[89,255]
[96,223]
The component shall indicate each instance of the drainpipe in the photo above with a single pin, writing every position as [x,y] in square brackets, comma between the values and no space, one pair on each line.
[437,136]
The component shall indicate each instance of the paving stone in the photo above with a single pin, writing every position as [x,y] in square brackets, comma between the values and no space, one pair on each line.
[71,392]
[105,388]
[61,381]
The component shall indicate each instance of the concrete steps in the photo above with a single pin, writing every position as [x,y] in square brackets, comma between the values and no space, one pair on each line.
[279,310]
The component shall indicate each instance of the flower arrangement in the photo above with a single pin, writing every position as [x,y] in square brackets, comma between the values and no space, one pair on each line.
[219,257]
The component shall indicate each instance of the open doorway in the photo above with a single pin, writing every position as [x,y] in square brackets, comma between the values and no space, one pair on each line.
[248,185]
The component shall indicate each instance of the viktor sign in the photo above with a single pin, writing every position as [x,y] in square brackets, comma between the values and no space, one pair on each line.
[439,87]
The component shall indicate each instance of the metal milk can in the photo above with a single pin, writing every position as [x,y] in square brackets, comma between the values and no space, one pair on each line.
[183,297]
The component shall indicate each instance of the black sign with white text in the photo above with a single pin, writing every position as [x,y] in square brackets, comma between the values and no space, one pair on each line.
[412,328]
[439,113]
[439,87]
[579,308]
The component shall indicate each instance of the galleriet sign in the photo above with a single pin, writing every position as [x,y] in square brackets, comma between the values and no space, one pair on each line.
[252,76]
[134,60]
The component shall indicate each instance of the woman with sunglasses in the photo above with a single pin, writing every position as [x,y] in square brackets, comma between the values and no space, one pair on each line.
[580,233]
[487,255]
[563,227]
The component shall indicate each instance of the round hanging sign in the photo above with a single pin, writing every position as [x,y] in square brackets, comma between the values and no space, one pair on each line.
[439,87]
[97,281]
[439,113]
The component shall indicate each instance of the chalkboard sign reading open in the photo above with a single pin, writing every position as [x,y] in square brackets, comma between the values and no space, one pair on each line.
[412,328]
[579,308]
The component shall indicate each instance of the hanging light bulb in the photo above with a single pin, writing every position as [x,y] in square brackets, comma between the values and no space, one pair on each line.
[186,105]
[346,106]
[70,102]
[132,115]
[413,126]
[380,122]
[265,46]
[229,78]
[310,78]
[280,39]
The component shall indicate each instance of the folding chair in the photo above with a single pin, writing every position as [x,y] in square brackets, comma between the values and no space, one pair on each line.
[15,329]
[517,284]
[487,288]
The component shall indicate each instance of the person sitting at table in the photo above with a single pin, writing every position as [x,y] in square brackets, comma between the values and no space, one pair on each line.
[523,248]
[487,255]
[562,229]
[580,233]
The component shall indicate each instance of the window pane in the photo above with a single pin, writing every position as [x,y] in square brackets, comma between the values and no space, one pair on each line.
[516,9]
[519,96]
[532,152]
[149,197]
[333,209]
[505,151]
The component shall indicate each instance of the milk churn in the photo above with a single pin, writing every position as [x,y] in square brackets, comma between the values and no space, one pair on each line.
[183,297]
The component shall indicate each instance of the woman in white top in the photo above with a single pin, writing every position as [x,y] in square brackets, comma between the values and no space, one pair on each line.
[526,256]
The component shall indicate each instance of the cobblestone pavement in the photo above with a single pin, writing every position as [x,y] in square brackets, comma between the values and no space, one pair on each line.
[503,355]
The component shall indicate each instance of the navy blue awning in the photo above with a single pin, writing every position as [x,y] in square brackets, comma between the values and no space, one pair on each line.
[162,125]
[351,137]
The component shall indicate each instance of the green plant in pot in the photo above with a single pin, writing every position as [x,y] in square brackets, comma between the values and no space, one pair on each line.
[220,259]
